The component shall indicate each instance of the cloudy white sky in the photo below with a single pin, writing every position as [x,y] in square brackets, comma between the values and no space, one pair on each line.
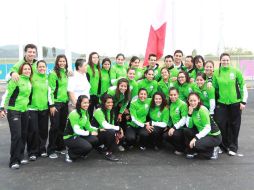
[113,26]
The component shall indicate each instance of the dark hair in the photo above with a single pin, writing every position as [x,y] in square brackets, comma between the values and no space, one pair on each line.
[146,71]
[168,56]
[178,51]
[120,54]
[192,60]
[57,68]
[130,69]
[30,46]
[104,99]
[20,72]
[209,61]
[91,64]
[203,75]
[142,89]
[127,94]
[105,60]
[198,57]
[163,103]
[165,69]
[224,54]
[173,88]
[133,58]
[196,94]
[79,63]
[78,104]
[41,61]
[152,55]
[186,76]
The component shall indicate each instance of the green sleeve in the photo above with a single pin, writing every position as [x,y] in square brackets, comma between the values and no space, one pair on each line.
[123,107]
[211,93]
[10,89]
[99,116]
[165,115]
[154,89]
[17,65]
[74,119]
[113,75]
[205,118]
[133,112]
[184,110]
[241,83]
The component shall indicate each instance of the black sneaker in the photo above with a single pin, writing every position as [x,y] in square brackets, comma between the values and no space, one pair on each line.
[111,157]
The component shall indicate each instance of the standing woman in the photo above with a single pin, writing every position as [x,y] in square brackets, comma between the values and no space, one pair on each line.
[139,110]
[93,76]
[104,120]
[132,82]
[178,111]
[164,85]
[233,94]
[184,86]
[149,83]
[200,136]
[199,64]
[38,113]
[134,64]
[169,64]
[78,83]
[105,75]
[158,116]
[58,103]
[209,68]
[79,136]
[118,70]
[207,95]
[16,101]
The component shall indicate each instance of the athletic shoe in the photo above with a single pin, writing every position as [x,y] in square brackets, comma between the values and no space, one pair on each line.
[67,158]
[178,153]
[44,154]
[15,166]
[220,151]
[143,148]
[111,157]
[215,153]
[191,156]
[24,161]
[63,152]
[53,156]
[121,148]
[32,158]
[231,153]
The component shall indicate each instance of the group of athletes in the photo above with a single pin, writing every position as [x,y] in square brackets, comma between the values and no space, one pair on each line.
[117,107]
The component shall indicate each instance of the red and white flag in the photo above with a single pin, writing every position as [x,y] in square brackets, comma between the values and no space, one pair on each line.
[157,34]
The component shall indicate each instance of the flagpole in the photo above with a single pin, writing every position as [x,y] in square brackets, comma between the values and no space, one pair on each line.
[66,35]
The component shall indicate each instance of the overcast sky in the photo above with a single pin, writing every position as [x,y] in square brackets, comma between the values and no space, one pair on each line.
[113,26]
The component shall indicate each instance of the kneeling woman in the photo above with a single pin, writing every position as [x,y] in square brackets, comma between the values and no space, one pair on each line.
[137,127]
[200,136]
[158,116]
[178,114]
[79,136]
[109,134]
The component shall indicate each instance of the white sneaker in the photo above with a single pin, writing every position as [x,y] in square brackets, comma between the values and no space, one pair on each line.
[191,156]
[178,153]
[32,158]
[53,156]
[143,148]
[15,166]
[231,153]
[121,148]
[215,153]
[67,158]
[24,162]
[44,154]
[220,151]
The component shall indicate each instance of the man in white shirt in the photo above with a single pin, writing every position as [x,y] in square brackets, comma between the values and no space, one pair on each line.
[78,83]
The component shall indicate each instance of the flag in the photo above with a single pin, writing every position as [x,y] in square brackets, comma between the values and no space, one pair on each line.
[157,34]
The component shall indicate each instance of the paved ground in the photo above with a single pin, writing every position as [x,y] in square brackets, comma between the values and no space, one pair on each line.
[136,170]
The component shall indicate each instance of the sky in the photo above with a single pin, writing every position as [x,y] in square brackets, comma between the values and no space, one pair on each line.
[113,26]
